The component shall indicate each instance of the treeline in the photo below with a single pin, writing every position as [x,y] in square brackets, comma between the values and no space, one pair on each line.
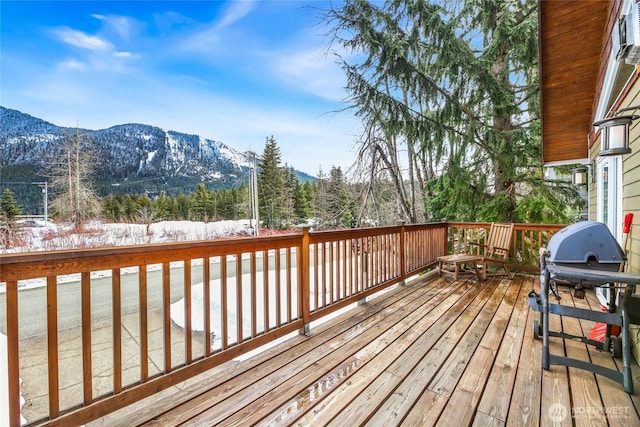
[283,201]
[201,205]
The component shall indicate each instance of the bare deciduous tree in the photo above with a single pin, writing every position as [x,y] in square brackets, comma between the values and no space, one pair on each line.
[146,215]
[70,169]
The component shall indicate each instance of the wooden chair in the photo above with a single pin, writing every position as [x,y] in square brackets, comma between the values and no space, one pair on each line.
[496,252]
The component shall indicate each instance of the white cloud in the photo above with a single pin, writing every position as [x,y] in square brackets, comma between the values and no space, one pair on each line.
[72,65]
[123,26]
[312,71]
[202,41]
[82,40]
[235,11]
[208,38]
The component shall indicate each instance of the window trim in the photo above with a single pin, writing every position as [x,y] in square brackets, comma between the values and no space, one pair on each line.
[614,196]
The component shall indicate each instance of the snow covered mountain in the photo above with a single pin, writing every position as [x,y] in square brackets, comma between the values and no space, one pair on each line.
[126,153]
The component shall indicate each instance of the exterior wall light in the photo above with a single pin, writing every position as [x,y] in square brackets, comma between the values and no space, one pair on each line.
[579,176]
[615,133]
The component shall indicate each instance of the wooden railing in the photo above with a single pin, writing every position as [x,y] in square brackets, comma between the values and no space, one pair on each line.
[260,289]
[527,240]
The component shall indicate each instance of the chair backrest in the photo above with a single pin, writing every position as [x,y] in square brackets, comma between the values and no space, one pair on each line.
[499,241]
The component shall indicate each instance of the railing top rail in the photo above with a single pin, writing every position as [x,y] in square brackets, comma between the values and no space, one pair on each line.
[31,265]
[517,225]
[324,235]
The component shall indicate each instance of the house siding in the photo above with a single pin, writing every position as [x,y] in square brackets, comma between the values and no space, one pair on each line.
[630,194]
[631,200]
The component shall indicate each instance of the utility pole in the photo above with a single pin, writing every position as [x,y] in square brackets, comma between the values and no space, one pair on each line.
[253,190]
[45,193]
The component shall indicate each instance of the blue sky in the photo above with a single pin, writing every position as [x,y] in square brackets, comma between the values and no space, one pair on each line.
[232,71]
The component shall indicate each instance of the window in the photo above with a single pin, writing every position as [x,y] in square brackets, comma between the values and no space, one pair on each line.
[609,197]
[609,200]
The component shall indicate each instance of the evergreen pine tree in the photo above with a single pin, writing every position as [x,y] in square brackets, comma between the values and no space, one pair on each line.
[301,202]
[288,196]
[453,87]
[338,198]
[202,205]
[161,206]
[183,207]
[321,209]
[9,208]
[271,182]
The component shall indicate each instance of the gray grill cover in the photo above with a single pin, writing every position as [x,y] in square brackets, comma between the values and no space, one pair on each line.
[586,244]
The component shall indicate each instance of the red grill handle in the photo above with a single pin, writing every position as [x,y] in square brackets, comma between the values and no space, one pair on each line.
[628,219]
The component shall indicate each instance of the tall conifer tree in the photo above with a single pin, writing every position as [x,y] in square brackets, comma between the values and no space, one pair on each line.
[271,181]
[448,94]
[9,208]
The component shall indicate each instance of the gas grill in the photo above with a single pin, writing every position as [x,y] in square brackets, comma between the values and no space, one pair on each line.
[586,255]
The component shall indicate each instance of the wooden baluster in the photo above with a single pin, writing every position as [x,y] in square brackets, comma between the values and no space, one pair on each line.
[144,323]
[117,331]
[304,287]
[225,302]
[166,312]
[52,346]
[331,274]
[289,285]
[87,371]
[239,317]
[278,290]
[265,287]
[13,352]
[254,307]
[188,330]
[206,304]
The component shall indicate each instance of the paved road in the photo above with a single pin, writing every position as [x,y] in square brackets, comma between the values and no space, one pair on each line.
[32,303]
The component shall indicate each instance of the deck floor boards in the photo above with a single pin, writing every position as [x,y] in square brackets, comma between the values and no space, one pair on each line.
[432,352]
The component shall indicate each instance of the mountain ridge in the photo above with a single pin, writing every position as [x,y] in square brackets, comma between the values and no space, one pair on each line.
[130,150]
[133,157]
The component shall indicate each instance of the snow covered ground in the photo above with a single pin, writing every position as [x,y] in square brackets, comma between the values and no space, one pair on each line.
[52,236]
[101,234]
[4,384]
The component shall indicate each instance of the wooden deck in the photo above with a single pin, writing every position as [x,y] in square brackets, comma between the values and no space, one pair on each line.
[435,351]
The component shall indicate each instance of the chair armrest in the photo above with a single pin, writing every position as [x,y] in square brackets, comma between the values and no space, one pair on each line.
[476,244]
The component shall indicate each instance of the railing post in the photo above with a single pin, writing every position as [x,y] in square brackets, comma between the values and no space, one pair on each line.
[52,346]
[303,283]
[403,268]
[13,355]
[445,237]
[365,247]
